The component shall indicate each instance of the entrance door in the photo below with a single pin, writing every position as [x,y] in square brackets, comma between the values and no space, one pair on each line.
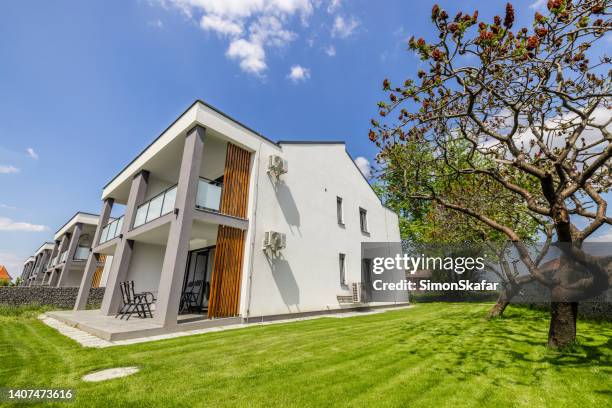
[196,285]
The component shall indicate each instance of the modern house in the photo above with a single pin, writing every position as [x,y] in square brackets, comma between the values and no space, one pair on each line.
[41,258]
[28,267]
[223,225]
[72,244]
[61,263]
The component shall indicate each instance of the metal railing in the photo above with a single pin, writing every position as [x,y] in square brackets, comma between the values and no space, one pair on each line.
[209,194]
[161,204]
[111,230]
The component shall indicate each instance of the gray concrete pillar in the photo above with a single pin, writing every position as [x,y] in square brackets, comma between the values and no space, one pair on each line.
[35,275]
[123,252]
[92,259]
[53,254]
[177,248]
[72,247]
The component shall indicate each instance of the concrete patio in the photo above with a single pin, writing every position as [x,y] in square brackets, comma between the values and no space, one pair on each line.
[113,329]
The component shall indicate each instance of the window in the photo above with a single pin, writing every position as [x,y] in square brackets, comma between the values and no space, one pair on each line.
[339,211]
[342,263]
[363,220]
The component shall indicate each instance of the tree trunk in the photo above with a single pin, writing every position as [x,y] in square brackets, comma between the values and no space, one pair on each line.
[562,331]
[498,308]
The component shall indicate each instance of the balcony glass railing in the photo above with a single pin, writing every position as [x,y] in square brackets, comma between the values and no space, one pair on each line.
[81,253]
[111,230]
[157,206]
[63,256]
[209,194]
[54,260]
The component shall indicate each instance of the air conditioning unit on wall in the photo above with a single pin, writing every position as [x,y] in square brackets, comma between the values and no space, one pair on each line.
[277,165]
[274,241]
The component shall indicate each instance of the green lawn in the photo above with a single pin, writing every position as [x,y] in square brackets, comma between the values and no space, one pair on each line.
[431,355]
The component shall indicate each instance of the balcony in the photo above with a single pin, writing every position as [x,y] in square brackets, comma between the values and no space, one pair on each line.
[81,254]
[209,194]
[54,260]
[63,257]
[161,204]
[111,230]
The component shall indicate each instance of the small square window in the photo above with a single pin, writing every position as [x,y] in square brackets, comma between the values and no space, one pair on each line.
[363,220]
[339,210]
[342,264]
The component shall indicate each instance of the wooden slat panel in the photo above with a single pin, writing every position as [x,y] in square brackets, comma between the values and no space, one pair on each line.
[227,273]
[97,278]
[235,195]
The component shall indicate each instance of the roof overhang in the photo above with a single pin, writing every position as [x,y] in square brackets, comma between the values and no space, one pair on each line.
[27,261]
[80,217]
[43,247]
[216,123]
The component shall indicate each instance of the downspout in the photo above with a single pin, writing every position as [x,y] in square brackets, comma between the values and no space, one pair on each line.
[253,225]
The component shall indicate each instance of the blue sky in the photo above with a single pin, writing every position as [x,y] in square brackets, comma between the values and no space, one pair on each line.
[87,85]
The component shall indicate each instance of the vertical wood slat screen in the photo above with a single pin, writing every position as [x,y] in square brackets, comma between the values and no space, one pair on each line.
[95,283]
[229,251]
[235,195]
[227,273]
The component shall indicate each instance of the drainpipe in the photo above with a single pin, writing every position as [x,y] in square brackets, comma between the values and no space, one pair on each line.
[254,232]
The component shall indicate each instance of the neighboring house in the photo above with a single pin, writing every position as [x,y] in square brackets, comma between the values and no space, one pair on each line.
[70,252]
[231,224]
[28,267]
[4,275]
[61,263]
[41,258]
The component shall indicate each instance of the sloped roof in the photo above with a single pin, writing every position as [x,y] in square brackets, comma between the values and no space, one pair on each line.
[4,275]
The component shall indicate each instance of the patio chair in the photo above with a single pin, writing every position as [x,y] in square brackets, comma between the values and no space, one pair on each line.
[134,303]
[190,297]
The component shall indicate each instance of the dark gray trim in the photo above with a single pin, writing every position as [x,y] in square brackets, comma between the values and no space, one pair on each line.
[359,307]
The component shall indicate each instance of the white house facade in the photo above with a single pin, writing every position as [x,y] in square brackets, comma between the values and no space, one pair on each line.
[220,222]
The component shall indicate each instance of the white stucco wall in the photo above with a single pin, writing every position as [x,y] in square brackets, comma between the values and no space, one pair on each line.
[306,277]
[145,266]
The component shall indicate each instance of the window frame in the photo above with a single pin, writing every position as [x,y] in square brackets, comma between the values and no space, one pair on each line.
[340,210]
[342,268]
[363,221]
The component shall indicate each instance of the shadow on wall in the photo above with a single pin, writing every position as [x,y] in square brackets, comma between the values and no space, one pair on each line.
[285,281]
[287,205]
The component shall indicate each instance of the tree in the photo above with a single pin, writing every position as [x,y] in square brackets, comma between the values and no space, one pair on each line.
[532,106]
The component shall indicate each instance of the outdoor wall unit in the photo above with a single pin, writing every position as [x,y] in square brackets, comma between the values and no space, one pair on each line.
[277,165]
[274,241]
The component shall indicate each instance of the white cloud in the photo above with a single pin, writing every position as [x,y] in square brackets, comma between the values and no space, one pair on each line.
[32,153]
[220,25]
[333,6]
[537,4]
[7,207]
[605,237]
[13,263]
[156,24]
[252,26]
[6,224]
[298,73]
[330,51]
[364,166]
[344,28]
[251,55]
[8,169]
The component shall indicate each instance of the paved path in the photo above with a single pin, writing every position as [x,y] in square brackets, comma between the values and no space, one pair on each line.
[89,340]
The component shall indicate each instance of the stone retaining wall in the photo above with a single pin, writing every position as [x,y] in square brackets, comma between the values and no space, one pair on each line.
[62,298]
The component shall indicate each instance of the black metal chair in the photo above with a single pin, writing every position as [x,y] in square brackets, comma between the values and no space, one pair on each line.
[134,303]
[189,300]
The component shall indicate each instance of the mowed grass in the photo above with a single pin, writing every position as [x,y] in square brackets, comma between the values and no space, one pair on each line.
[431,355]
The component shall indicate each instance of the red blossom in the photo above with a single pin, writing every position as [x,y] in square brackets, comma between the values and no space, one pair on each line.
[509,19]
[532,42]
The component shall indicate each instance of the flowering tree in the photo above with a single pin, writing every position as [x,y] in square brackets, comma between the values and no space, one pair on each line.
[529,111]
